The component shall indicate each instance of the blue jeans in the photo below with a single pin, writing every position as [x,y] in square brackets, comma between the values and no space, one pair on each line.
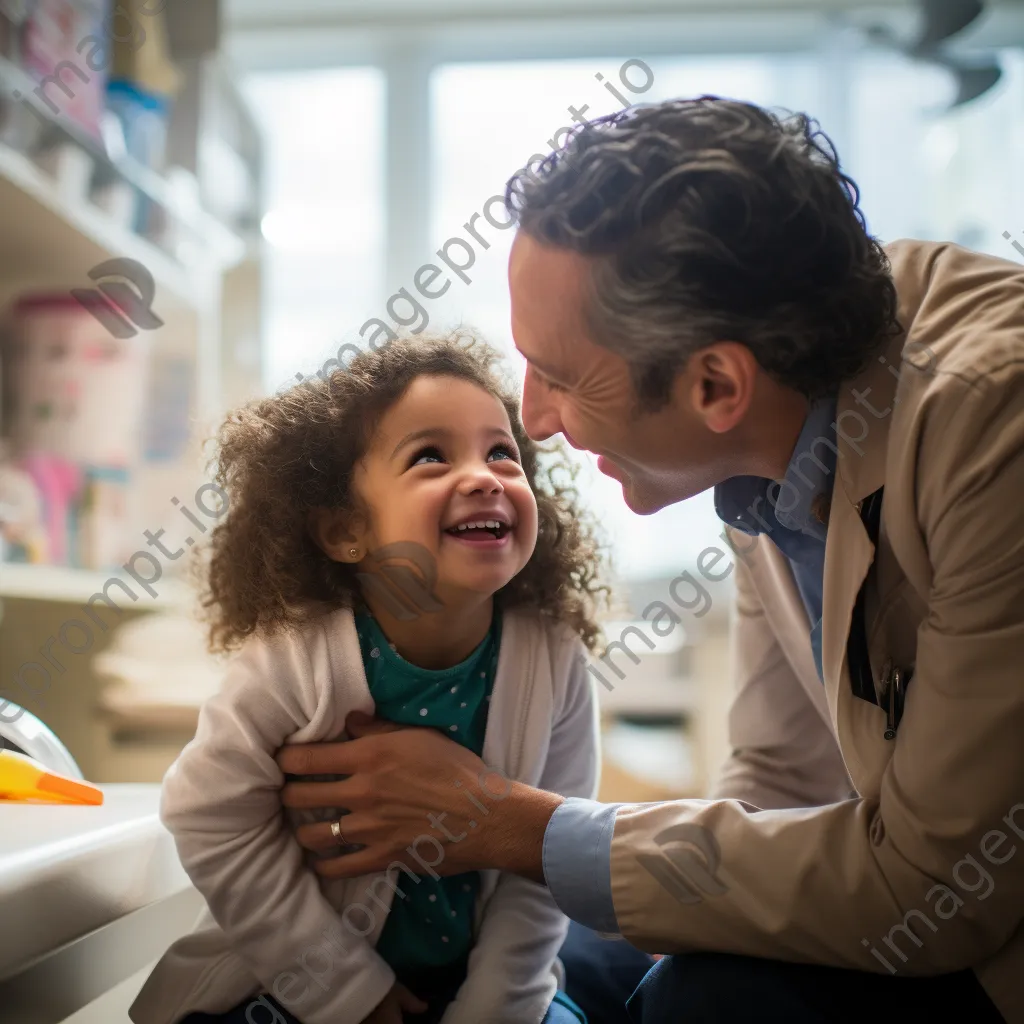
[601,974]
[564,1011]
[721,988]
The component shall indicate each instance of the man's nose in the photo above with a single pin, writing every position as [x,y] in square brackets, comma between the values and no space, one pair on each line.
[540,414]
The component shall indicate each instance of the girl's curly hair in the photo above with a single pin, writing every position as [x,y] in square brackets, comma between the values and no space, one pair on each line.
[278,458]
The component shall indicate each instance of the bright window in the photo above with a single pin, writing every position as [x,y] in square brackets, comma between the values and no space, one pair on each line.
[324,201]
[953,177]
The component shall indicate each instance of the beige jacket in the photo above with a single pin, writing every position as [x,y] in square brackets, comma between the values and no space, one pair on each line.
[274,926]
[827,843]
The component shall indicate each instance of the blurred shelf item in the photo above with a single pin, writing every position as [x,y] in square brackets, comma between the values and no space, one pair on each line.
[641,764]
[648,674]
[75,586]
[621,786]
[636,695]
[660,755]
[682,675]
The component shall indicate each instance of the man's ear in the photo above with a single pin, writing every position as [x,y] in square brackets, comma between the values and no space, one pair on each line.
[333,534]
[720,379]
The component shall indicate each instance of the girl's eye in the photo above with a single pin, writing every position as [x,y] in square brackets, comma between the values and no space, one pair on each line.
[427,455]
[503,451]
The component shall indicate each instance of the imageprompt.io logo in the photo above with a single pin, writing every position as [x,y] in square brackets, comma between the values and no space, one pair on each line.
[401,577]
[687,863]
[123,308]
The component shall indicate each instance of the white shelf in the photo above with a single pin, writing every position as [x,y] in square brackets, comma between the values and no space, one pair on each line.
[59,585]
[214,240]
[44,237]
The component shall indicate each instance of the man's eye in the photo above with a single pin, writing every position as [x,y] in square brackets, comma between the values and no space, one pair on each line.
[427,455]
[543,379]
[503,451]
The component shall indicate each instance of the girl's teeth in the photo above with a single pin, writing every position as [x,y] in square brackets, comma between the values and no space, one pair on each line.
[490,524]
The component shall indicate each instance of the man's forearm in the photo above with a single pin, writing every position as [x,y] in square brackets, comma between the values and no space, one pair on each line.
[513,839]
[563,844]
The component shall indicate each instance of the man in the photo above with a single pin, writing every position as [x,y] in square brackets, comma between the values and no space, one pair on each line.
[699,304]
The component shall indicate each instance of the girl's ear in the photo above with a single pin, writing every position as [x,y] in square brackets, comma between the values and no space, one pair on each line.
[333,535]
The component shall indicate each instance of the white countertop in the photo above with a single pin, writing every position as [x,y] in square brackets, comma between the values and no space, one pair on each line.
[65,870]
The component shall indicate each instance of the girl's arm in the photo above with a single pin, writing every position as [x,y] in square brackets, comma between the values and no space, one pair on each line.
[510,979]
[221,801]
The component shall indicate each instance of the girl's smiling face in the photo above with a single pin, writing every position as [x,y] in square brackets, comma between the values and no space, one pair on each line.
[442,458]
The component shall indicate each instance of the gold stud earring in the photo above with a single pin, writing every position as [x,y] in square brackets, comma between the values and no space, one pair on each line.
[353,552]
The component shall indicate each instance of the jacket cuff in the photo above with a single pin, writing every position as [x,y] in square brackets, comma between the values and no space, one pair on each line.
[577,862]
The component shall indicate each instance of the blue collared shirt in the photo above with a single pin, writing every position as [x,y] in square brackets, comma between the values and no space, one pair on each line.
[785,510]
[578,840]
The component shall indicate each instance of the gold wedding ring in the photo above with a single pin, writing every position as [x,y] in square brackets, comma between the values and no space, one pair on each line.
[339,836]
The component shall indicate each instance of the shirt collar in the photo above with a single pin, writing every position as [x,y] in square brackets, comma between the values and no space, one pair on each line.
[755,504]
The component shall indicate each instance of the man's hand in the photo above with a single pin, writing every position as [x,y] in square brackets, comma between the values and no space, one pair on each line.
[418,798]
[389,1009]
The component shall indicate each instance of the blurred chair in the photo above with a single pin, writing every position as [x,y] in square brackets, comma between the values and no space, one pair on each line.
[156,675]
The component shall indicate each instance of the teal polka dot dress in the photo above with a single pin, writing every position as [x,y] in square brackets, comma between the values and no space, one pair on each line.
[433,925]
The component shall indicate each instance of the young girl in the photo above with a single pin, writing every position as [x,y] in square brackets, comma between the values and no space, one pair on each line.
[391,545]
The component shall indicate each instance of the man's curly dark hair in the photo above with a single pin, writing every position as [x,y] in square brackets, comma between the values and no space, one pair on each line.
[278,458]
[709,220]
